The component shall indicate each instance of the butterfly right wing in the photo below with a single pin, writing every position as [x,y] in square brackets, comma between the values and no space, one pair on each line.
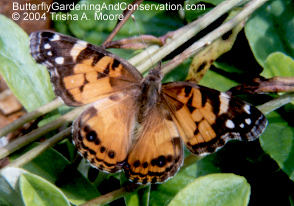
[207,119]
[157,154]
[80,72]
[103,132]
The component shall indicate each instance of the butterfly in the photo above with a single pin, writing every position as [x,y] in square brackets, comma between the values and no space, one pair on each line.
[138,124]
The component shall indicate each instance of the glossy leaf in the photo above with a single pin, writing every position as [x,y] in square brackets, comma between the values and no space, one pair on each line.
[215,189]
[51,166]
[9,189]
[216,81]
[278,64]
[162,194]
[38,191]
[4,203]
[28,80]
[278,141]
[140,197]
[270,29]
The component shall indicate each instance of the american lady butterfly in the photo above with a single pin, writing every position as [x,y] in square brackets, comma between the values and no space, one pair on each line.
[135,123]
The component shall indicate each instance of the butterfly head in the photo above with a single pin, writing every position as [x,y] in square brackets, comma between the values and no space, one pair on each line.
[152,82]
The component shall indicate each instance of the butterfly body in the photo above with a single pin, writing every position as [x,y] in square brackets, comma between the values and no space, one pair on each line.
[135,123]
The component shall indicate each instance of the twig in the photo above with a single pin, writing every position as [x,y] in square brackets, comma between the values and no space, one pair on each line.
[33,153]
[215,34]
[34,135]
[111,196]
[276,103]
[187,32]
[126,14]
[263,85]
[30,116]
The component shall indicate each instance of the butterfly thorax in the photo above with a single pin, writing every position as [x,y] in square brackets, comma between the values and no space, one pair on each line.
[149,97]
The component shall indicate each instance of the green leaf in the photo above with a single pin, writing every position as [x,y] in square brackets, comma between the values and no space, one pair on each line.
[50,166]
[140,197]
[216,81]
[215,189]
[195,8]
[28,81]
[4,203]
[214,2]
[162,194]
[9,190]
[38,191]
[278,64]
[270,29]
[278,141]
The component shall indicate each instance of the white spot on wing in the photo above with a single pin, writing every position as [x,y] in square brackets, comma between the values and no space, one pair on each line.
[47,46]
[230,124]
[247,108]
[56,37]
[77,48]
[248,121]
[49,53]
[59,60]
[224,103]
[225,95]
[242,125]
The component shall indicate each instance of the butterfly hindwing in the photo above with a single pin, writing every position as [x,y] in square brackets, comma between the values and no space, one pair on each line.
[103,132]
[207,119]
[157,154]
[80,72]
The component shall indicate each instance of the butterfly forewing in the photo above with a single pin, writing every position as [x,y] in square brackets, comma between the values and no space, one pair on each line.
[207,119]
[81,73]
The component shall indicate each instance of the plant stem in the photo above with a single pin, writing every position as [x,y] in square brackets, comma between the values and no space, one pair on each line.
[35,134]
[187,32]
[276,103]
[30,116]
[215,34]
[127,13]
[33,153]
[111,196]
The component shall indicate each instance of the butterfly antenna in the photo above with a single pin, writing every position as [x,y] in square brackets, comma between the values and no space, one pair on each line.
[133,17]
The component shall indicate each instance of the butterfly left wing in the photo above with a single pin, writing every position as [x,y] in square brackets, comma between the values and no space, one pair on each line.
[80,72]
[157,154]
[103,132]
[207,119]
